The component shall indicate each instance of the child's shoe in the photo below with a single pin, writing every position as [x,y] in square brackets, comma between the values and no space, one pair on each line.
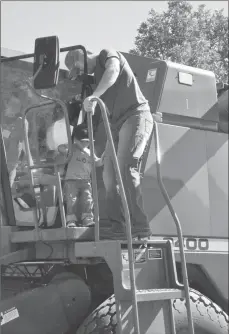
[71,221]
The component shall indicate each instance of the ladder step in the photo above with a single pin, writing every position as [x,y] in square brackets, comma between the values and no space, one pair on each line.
[159,294]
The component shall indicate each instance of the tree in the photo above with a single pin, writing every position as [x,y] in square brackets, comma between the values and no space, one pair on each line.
[180,34]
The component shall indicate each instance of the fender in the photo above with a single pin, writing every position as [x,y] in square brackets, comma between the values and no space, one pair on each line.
[204,281]
[63,303]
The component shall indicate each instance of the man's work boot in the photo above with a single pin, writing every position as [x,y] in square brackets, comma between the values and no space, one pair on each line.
[118,232]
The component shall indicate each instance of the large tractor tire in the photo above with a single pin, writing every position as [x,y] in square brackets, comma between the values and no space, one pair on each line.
[208,318]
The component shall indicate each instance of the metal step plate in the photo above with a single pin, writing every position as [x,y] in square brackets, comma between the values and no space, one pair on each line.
[159,294]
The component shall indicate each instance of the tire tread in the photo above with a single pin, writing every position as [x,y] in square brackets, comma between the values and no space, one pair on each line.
[104,317]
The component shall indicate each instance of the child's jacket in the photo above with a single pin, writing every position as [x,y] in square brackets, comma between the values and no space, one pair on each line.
[79,166]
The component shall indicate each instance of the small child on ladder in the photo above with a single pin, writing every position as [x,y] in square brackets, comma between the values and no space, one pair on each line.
[77,185]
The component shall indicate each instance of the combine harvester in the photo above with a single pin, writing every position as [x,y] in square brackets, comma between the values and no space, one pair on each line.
[58,280]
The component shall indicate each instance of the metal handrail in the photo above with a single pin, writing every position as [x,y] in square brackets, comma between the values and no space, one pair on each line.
[31,167]
[93,175]
[126,212]
[178,227]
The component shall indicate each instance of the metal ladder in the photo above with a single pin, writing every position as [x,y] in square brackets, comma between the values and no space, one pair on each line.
[137,296]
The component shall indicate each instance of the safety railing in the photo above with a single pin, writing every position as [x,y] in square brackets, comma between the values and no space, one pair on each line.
[35,166]
[124,203]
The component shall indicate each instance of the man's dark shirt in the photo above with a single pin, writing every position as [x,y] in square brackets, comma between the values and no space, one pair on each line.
[124,98]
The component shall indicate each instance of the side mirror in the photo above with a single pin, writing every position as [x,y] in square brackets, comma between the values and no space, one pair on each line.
[46,62]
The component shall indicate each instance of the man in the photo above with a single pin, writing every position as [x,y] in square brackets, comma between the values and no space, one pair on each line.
[131,125]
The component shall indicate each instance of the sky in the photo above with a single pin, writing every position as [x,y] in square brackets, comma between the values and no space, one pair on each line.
[94,24]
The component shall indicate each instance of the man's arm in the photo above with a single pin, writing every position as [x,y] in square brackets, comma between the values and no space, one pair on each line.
[112,69]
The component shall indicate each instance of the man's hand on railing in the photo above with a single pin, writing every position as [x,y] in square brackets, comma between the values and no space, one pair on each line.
[89,105]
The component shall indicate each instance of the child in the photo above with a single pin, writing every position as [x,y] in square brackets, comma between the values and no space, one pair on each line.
[77,185]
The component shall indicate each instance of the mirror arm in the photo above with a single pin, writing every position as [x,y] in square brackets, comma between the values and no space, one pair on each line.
[38,71]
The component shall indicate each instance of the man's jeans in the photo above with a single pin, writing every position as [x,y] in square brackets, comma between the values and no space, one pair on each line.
[130,144]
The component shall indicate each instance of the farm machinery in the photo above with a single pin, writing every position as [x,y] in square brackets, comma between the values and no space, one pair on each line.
[63,280]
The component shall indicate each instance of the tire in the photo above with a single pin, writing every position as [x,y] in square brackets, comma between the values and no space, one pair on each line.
[208,318]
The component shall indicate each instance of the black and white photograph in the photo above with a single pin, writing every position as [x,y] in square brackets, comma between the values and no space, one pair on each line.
[114,167]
